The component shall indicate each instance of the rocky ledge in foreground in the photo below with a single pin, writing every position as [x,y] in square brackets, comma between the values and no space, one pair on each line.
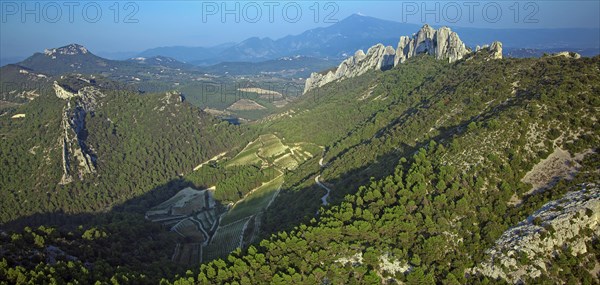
[566,223]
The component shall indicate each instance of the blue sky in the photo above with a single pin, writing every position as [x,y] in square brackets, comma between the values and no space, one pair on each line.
[104,26]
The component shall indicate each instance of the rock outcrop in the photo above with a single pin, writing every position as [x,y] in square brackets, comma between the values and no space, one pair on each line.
[377,57]
[567,54]
[443,44]
[559,224]
[62,93]
[72,49]
[496,50]
[77,156]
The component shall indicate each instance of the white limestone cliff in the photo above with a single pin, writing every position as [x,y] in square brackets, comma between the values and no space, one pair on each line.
[443,44]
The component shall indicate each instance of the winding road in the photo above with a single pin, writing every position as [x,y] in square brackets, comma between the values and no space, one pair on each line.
[324,198]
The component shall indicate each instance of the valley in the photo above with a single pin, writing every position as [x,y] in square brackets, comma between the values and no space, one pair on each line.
[214,228]
[416,158]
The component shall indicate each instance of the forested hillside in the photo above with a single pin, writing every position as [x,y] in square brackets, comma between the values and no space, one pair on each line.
[430,165]
[136,143]
[458,184]
[384,116]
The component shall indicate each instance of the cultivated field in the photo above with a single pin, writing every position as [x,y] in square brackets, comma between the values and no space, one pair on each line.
[182,204]
[255,202]
[270,150]
[190,229]
[226,239]
[209,231]
[249,155]
[188,253]
[271,146]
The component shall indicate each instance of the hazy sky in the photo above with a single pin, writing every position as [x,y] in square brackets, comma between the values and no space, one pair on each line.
[103,26]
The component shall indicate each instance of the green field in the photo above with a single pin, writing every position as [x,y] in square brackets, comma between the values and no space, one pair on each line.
[272,146]
[286,161]
[226,239]
[218,94]
[275,157]
[183,203]
[254,203]
[248,155]
[190,229]
[270,149]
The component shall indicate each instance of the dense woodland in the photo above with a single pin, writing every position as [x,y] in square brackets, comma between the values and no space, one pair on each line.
[478,101]
[141,142]
[439,148]
[232,182]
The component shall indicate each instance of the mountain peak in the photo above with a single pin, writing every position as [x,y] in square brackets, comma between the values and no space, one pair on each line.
[357,17]
[71,49]
[427,29]
[441,44]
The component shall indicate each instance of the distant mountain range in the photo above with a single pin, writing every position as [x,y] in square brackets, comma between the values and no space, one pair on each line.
[360,32]
[74,58]
[356,32]
[70,58]
[335,41]
[186,54]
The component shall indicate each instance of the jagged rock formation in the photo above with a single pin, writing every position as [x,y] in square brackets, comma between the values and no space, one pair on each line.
[62,93]
[443,44]
[496,50]
[559,224]
[377,57]
[567,54]
[72,49]
[73,140]
[487,52]
[171,97]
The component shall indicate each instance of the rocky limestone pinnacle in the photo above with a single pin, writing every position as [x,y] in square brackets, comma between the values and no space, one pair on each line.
[496,50]
[443,44]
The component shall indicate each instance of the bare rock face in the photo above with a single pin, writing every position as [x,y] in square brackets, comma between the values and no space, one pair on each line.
[389,58]
[496,50]
[62,93]
[569,222]
[443,44]
[377,57]
[72,49]
[78,158]
[567,54]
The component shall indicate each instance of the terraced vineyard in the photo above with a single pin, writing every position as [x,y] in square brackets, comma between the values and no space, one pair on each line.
[226,239]
[213,231]
[182,204]
[206,220]
[188,253]
[249,155]
[271,146]
[270,150]
[254,203]
[194,215]
[187,228]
